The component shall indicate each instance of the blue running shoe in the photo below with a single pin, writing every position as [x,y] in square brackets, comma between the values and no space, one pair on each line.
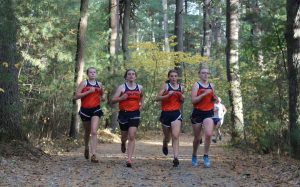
[194,160]
[206,161]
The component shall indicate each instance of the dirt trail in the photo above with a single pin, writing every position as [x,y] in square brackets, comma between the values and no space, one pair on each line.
[151,168]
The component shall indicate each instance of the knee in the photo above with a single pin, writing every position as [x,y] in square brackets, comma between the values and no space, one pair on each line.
[197,139]
[208,135]
[94,132]
[131,138]
[175,136]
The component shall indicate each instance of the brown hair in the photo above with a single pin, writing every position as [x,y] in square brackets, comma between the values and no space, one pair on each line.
[125,75]
[172,71]
[169,73]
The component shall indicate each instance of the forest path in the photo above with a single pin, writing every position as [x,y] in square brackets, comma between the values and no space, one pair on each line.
[230,167]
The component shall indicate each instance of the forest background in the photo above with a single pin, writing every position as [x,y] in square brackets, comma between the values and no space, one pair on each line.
[251,47]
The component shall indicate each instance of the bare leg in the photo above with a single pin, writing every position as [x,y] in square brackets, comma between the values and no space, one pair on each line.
[87,132]
[131,141]
[166,140]
[166,131]
[175,136]
[94,127]
[197,136]
[208,131]
[124,137]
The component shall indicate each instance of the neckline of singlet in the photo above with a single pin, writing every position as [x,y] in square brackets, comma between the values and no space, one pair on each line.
[88,82]
[179,88]
[200,84]
[136,87]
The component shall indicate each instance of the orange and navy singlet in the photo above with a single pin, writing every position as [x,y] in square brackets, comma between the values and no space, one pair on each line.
[173,102]
[132,103]
[93,99]
[206,103]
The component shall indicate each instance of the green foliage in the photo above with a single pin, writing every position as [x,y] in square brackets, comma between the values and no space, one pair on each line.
[153,63]
[47,44]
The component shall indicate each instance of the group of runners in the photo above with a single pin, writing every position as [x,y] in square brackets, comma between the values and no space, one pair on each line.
[207,113]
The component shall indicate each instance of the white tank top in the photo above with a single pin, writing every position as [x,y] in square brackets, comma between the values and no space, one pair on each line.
[218,111]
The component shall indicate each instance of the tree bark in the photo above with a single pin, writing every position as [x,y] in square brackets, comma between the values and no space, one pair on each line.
[125,28]
[10,106]
[79,58]
[257,32]
[206,42]
[293,58]
[233,74]
[114,23]
[217,26]
[179,25]
[178,30]
[165,25]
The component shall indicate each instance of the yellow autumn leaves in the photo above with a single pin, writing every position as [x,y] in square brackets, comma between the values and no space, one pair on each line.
[6,65]
[17,65]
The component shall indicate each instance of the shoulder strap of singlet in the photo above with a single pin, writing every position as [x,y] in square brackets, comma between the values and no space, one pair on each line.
[208,87]
[126,87]
[137,87]
[199,85]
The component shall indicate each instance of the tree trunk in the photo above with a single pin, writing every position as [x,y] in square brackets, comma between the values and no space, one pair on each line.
[206,43]
[256,33]
[293,57]
[10,106]
[114,23]
[217,27]
[125,28]
[79,58]
[233,74]
[179,32]
[165,25]
[179,25]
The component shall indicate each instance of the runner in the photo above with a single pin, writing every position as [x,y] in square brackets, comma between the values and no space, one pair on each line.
[219,112]
[171,97]
[130,98]
[90,92]
[203,100]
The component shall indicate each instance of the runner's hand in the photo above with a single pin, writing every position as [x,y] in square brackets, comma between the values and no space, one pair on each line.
[123,97]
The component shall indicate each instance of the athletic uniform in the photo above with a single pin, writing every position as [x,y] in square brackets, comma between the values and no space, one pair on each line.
[129,114]
[204,108]
[171,106]
[218,114]
[90,104]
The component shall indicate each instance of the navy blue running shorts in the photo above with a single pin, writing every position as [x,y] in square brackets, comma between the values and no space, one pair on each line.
[198,116]
[128,119]
[167,117]
[86,114]
[216,120]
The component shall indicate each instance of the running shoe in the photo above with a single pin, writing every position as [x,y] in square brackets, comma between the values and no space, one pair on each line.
[175,162]
[123,147]
[94,159]
[86,154]
[206,161]
[194,160]
[129,163]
